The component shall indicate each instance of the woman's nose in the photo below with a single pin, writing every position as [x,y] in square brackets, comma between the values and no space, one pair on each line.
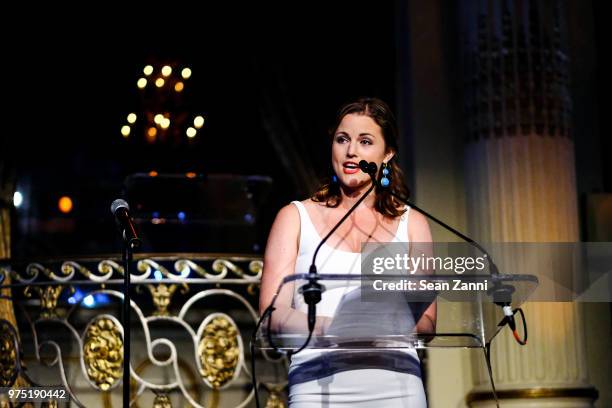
[351,151]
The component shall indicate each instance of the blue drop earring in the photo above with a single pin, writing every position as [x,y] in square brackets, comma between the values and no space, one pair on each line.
[334,179]
[384,181]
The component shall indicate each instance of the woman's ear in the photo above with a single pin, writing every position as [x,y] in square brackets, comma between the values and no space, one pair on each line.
[389,156]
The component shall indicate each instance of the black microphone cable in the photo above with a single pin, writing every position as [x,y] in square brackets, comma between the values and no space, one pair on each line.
[312,290]
[265,314]
[312,295]
[501,293]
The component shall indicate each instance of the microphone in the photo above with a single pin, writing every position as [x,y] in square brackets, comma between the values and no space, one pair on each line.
[121,211]
[369,168]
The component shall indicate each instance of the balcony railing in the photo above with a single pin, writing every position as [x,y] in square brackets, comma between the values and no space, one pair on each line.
[192,316]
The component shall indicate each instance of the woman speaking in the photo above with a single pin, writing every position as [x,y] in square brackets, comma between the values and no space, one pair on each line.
[364,130]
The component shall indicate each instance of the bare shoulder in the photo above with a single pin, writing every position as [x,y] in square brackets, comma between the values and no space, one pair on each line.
[284,234]
[418,227]
[417,219]
[315,209]
[287,217]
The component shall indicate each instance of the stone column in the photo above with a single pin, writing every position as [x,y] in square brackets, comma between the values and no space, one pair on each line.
[522,188]
[520,179]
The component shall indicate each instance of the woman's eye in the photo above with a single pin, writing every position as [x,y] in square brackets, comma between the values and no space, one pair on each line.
[366,142]
[341,139]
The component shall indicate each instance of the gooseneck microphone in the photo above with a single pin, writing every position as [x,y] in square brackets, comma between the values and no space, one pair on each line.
[312,295]
[312,290]
[121,211]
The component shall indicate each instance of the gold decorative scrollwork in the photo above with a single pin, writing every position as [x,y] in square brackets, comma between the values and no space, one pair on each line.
[147,266]
[8,355]
[219,350]
[162,401]
[69,267]
[162,294]
[274,397]
[48,299]
[256,267]
[185,266]
[252,289]
[108,266]
[223,265]
[49,296]
[103,352]
[31,272]
[34,269]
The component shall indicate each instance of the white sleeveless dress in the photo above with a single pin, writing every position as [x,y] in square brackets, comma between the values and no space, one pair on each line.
[334,378]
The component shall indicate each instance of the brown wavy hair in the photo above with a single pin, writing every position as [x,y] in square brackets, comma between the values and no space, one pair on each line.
[385,203]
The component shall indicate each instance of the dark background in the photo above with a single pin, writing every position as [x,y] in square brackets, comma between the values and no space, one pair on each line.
[268,79]
[75,83]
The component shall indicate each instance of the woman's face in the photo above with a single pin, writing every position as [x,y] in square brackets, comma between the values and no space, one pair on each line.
[357,138]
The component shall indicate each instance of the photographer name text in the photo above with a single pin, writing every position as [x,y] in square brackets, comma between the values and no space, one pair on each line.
[426,285]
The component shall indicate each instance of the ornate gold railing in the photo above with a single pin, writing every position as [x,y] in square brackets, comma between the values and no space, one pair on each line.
[192,316]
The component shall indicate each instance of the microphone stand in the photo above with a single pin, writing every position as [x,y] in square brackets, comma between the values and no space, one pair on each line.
[127,256]
[502,294]
[312,290]
[493,267]
[120,210]
[312,295]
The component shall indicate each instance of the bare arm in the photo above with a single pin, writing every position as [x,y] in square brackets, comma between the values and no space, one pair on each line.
[279,262]
[280,256]
[418,231]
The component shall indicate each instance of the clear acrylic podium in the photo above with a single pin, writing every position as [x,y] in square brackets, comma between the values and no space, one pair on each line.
[355,313]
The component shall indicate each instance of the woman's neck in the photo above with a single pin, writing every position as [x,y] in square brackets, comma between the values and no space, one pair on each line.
[351,195]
